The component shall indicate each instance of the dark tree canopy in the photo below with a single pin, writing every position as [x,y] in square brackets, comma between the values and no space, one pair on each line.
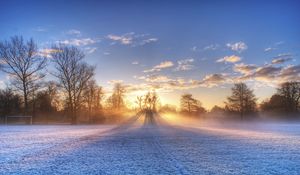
[242,100]
[291,93]
[190,105]
[10,103]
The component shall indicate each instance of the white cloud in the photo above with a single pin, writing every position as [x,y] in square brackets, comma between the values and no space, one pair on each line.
[135,62]
[115,81]
[238,46]
[194,48]
[74,32]
[185,64]
[282,58]
[269,49]
[244,68]
[213,80]
[154,78]
[40,29]
[150,40]
[90,50]
[124,39]
[78,42]
[46,52]
[231,59]
[131,39]
[211,47]
[162,65]
[2,84]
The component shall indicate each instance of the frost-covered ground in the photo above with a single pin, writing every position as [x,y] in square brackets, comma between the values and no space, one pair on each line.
[159,145]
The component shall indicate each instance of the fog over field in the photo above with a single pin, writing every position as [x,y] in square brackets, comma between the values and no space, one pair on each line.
[145,144]
[157,87]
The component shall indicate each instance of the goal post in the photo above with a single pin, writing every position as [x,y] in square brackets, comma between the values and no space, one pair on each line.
[18,117]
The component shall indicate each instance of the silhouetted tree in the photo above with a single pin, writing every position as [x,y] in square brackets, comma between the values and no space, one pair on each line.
[150,101]
[217,109]
[93,96]
[168,108]
[43,102]
[291,93]
[190,105]
[73,75]
[21,61]
[242,100]
[116,100]
[275,104]
[139,102]
[10,103]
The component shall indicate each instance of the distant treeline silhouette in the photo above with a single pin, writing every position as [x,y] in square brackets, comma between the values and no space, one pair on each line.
[74,96]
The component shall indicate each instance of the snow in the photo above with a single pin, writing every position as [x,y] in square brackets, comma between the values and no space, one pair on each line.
[151,146]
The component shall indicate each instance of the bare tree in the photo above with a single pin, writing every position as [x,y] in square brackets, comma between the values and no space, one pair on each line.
[139,102]
[21,61]
[242,100]
[73,75]
[117,98]
[150,101]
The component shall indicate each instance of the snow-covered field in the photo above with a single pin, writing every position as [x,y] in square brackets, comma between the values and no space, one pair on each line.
[159,145]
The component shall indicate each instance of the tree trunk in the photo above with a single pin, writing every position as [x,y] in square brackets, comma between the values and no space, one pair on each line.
[25,99]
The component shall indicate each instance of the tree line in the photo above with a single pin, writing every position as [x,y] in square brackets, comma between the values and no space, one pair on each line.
[285,103]
[74,92]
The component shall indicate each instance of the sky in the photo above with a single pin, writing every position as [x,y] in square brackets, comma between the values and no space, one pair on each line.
[173,47]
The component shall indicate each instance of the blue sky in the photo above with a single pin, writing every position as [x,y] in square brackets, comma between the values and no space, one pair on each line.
[200,47]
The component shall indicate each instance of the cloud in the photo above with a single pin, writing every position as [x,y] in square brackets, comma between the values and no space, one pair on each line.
[211,47]
[244,68]
[46,52]
[162,65]
[74,32]
[90,50]
[279,43]
[131,39]
[40,29]
[124,39]
[78,42]
[115,81]
[282,58]
[290,73]
[213,80]
[266,73]
[146,41]
[230,59]
[2,84]
[154,78]
[206,48]
[194,48]
[270,49]
[185,64]
[135,62]
[239,46]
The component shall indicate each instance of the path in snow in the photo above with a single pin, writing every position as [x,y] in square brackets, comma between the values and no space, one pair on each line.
[149,145]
